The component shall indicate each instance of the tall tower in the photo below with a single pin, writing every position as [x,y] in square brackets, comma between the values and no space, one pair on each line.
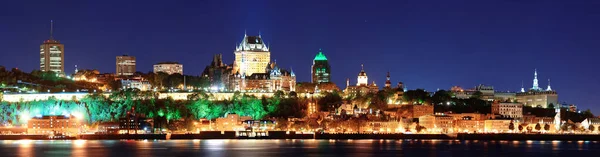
[535,81]
[362,77]
[252,55]
[52,54]
[388,83]
[321,71]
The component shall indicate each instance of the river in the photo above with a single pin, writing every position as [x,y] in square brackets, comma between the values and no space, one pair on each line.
[293,148]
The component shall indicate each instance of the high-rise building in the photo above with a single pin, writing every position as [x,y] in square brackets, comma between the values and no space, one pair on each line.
[168,67]
[52,54]
[251,56]
[321,71]
[125,65]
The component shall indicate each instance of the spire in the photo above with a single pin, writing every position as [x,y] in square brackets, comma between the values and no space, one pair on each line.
[535,81]
[362,67]
[549,88]
[51,29]
[76,69]
[347,82]
[292,72]
[522,89]
[388,76]
[259,35]
[245,34]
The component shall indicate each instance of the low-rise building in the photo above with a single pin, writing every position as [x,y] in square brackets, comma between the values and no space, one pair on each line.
[66,125]
[508,110]
[436,123]
[497,125]
[169,68]
[231,122]
[137,83]
[414,111]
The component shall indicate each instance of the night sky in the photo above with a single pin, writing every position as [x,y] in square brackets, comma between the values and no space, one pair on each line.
[426,44]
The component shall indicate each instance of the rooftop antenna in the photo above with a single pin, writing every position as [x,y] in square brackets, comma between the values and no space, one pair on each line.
[51,29]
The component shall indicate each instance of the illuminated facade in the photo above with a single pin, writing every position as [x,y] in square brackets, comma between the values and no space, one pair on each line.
[52,55]
[538,97]
[251,71]
[125,65]
[321,70]
[169,68]
[362,85]
[54,125]
[508,110]
[251,56]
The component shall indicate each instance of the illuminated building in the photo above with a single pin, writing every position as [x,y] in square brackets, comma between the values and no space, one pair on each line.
[219,74]
[497,125]
[86,75]
[274,80]
[508,110]
[125,65]
[413,111]
[251,71]
[388,83]
[362,85]
[436,123]
[136,83]
[54,125]
[468,124]
[312,107]
[231,122]
[134,123]
[169,68]
[321,70]
[537,97]
[52,54]
[251,56]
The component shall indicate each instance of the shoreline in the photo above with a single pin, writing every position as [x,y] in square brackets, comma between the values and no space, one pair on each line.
[280,135]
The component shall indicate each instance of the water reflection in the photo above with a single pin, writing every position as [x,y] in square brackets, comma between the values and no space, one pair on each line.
[292,148]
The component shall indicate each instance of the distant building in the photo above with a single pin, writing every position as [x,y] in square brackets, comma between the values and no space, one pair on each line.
[538,97]
[497,125]
[231,122]
[252,70]
[436,123]
[169,68]
[508,110]
[134,123]
[321,70]
[468,124]
[251,56]
[413,111]
[362,85]
[505,96]
[52,54]
[136,83]
[54,125]
[125,65]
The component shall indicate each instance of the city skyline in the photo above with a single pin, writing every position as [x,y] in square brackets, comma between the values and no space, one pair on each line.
[457,61]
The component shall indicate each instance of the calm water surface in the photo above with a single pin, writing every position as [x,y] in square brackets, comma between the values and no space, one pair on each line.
[292,148]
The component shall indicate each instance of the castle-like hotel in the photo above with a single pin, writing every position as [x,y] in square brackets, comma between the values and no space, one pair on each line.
[252,70]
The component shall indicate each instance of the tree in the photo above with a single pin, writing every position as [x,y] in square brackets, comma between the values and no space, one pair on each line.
[330,101]
[418,96]
[511,126]
[551,105]
[521,128]
[538,127]
[441,97]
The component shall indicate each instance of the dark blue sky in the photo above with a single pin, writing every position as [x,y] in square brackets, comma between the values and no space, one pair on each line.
[424,43]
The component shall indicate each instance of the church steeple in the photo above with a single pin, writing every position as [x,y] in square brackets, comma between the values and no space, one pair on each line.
[549,88]
[535,81]
[388,83]
[522,89]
